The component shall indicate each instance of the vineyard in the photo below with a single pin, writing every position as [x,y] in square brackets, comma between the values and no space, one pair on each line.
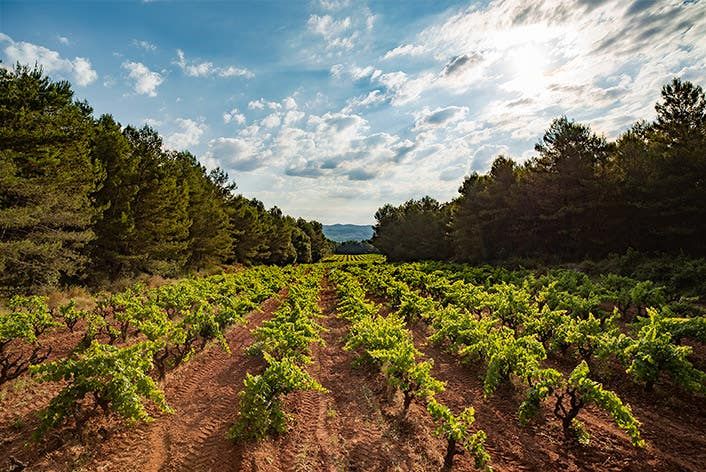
[354,258]
[358,364]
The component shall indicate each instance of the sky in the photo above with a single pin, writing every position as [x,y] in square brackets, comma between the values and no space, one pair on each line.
[331,108]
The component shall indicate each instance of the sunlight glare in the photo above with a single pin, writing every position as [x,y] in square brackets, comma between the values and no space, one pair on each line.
[527,64]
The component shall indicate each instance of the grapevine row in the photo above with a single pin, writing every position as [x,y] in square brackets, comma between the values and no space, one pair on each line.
[284,342]
[384,343]
[571,312]
[491,336]
[165,326]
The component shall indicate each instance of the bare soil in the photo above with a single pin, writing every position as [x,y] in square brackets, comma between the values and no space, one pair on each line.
[203,393]
[674,426]
[353,427]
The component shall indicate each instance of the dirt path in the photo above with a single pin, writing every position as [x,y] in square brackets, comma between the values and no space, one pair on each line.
[204,395]
[351,428]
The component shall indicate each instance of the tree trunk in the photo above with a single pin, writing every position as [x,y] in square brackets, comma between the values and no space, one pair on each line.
[449,457]
[405,404]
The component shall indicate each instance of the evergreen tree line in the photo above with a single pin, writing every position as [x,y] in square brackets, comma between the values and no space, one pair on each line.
[581,196]
[354,247]
[87,199]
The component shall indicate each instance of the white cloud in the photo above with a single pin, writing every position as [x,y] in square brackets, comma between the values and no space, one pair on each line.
[79,70]
[145,80]
[374,97]
[360,73]
[83,71]
[328,27]
[63,40]
[485,155]
[256,104]
[146,45]
[429,119]
[234,116]
[370,21]
[289,103]
[152,122]
[206,69]
[234,153]
[337,34]
[189,134]
[232,71]
[405,50]
[108,81]
[331,145]
[565,55]
[271,121]
[405,89]
[337,70]
[521,65]
[261,103]
[334,4]
[292,116]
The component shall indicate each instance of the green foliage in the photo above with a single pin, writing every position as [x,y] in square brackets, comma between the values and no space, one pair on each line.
[414,230]
[377,333]
[592,392]
[114,228]
[385,341]
[260,401]
[679,328]
[581,196]
[588,336]
[160,240]
[653,353]
[81,196]
[284,342]
[571,396]
[510,305]
[293,328]
[400,367]
[115,379]
[71,315]
[457,431]
[210,241]
[28,319]
[46,181]
[507,355]
[542,383]
[500,324]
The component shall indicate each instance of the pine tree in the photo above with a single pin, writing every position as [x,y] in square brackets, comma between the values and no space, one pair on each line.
[46,180]
[112,250]
[160,208]
[248,230]
[210,242]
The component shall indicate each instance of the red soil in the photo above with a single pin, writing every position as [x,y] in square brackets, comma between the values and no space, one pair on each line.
[673,426]
[203,393]
[352,427]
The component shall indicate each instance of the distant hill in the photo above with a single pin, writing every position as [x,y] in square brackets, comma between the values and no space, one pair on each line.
[340,232]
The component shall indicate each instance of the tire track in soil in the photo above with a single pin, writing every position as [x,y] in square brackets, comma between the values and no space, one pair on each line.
[347,429]
[539,446]
[464,388]
[308,442]
[204,395]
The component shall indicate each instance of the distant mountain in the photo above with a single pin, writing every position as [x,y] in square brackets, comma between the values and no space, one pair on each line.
[340,233]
